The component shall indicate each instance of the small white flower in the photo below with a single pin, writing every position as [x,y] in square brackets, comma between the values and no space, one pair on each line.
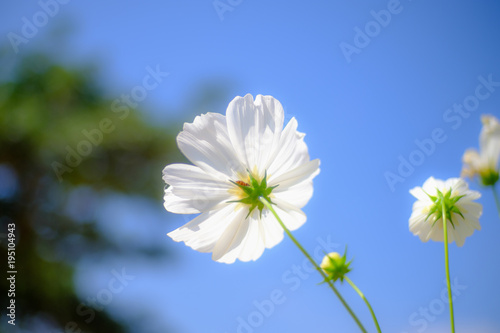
[462,215]
[485,162]
[237,158]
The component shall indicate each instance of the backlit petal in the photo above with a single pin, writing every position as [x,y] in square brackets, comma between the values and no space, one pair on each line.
[205,142]
[190,186]
[254,128]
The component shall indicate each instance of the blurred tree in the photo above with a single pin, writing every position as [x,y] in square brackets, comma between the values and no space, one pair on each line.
[59,135]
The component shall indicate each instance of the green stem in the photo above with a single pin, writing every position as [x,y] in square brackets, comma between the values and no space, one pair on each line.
[268,205]
[447,266]
[366,301]
[497,200]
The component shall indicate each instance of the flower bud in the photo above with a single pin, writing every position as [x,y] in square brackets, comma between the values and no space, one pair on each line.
[335,266]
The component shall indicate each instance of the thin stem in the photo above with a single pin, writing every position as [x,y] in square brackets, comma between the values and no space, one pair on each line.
[447,266]
[268,205]
[497,200]
[366,301]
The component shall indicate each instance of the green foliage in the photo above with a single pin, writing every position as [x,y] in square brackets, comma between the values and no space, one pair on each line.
[45,114]
[47,111]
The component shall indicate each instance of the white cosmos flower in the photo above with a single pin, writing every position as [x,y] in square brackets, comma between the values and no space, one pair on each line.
[485,162]
[237,158]
[462,214]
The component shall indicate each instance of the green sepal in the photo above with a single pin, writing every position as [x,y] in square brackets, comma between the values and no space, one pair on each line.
[449,203]
[254,191]
[338,268]
[489,178]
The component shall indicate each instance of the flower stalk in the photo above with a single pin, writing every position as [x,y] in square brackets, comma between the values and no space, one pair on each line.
[497,199]
[366,301]
[308,256]
[447,266]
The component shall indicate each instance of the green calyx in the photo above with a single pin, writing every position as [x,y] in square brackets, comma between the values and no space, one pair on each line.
[489,177]
[449,206]
[254,191]
[335,266]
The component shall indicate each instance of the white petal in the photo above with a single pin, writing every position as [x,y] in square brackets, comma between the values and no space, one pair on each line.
[489,142]
[436,231]
[252,246]
[254,129]
[228,246]
[471,156]
[292,217]
[490,132]
[461,230]
[472,195]
[491,155]
[419,193]
[191,187]
[431,184]
[420,226]
[272,232]
[453,183]
[205,142]
[297,195]
[292,152]
[472,162]
[202,233]
[178,205]
[246,239]
[471,212]
[293,177]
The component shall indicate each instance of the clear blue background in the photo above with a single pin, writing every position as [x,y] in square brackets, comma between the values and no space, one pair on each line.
[361,117]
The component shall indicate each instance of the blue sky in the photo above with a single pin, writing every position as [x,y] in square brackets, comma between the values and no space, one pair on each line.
[369,90]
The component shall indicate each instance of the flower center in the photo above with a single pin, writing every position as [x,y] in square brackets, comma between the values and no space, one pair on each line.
[252,191]
[449,206]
